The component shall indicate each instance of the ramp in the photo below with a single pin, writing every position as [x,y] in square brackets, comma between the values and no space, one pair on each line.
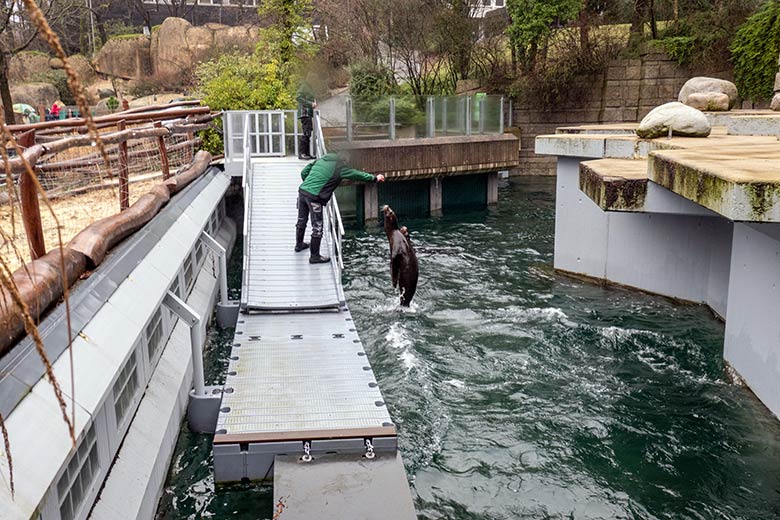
[337,487]
[300,402]
[275,277]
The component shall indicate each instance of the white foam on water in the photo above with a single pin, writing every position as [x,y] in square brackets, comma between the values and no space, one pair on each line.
[457,383]
[397,339]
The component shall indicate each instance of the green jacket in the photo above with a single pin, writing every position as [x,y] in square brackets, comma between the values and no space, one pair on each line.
[322,177]
[305,98]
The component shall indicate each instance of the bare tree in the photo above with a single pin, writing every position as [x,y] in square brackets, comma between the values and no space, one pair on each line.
[17,33]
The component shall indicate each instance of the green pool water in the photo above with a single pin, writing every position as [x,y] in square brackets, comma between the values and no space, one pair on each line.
[519,393]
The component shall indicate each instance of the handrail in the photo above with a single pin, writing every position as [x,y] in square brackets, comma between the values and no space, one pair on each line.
[335,224]
[246,183]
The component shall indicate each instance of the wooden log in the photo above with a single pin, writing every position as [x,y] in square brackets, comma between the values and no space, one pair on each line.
[31,209]
[113,118]
[40,285]
[98,238]
[166,170]
[124,173]
[189,173]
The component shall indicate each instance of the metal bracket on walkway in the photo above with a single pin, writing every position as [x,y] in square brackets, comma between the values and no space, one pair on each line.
[204,400]
[227,311]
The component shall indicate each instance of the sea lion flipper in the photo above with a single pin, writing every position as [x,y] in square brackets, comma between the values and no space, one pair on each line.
[395,269]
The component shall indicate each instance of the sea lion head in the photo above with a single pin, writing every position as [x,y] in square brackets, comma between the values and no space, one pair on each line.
[391,221]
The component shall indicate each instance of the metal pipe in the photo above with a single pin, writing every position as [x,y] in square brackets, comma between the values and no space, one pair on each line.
[217,248]
[193,321]
[511,116]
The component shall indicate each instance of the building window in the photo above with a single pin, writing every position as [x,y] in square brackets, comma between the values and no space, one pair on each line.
[154,335]
[76,482]
[125,389]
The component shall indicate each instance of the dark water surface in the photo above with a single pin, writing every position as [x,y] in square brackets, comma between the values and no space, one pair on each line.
[519,393]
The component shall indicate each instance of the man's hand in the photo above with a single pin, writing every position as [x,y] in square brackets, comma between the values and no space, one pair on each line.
[380,178]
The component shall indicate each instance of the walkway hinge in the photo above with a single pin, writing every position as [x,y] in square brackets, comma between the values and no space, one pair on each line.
[227,311]
[204,401]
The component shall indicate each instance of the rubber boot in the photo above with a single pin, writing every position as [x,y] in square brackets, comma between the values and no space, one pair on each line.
[315,257]
[300,245]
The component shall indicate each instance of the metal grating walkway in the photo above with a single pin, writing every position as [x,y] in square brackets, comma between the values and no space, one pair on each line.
[275,276]
[298,372]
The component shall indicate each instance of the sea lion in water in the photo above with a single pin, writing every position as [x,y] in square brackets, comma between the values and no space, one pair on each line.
[403,260]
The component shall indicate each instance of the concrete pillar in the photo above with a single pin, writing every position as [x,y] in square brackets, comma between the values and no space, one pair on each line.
[370,202]
[436,191]
[492,188]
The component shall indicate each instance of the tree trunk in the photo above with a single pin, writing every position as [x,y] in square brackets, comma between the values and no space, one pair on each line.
[584,24]
[5,90]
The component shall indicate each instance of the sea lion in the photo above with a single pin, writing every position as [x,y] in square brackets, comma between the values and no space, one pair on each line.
[403,260]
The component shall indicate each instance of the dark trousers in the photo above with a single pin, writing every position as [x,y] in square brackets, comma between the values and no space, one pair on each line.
[304,145]
[310,207]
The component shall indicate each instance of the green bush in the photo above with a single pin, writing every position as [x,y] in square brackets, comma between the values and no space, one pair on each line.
[755,50]
[680,48]
[369,80]
[240,82]
[59,79]
[112,103]
[406,111]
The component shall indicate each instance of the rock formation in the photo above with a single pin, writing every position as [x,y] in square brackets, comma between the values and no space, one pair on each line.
[703,85]
[682,119]
[126,58]
[34,94]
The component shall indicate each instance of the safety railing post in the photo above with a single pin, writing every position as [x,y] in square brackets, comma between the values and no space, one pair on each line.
[295,134]
[511,116]
[164,165]
[501,117]
[391,133]
[349,118]
[468,115]
[481,112]
[444,116]
[124,181]
[430,114]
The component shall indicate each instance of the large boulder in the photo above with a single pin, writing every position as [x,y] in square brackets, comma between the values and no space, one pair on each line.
[710,101]
[682,119]
[704,85]
[35,94]
[775,105]
[28,66]
[80,64]
[169,49]
[127,58]
[177,46]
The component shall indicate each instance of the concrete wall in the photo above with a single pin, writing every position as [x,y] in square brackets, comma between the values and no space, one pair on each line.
[624,93]
[671,253]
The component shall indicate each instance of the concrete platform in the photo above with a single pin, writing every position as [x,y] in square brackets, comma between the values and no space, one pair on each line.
[615,184]
[337,487]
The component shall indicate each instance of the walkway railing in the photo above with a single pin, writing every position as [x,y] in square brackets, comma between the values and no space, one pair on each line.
[246,184]
[405,117]
[335,224]
[271,133]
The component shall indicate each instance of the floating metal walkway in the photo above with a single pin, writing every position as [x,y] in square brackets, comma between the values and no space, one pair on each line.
[299,383]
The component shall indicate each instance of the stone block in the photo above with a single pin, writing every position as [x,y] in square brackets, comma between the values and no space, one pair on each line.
[648,92]
[633,73]
[613,115]
[667,91]
[616,73]
[668,70]
[652,70]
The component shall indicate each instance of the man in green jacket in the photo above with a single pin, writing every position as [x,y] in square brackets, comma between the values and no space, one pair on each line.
[306,106]
[320,180]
